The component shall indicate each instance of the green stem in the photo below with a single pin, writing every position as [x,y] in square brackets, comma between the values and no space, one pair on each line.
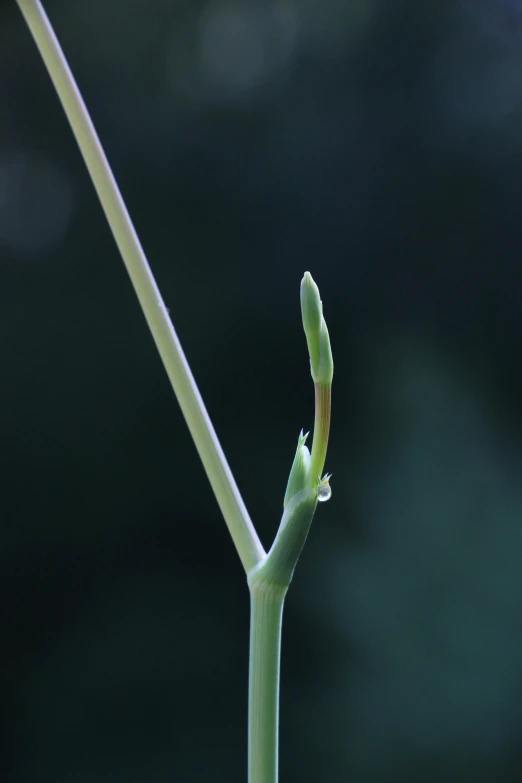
[225,489]
[323,404]
[266,618]
[268,583]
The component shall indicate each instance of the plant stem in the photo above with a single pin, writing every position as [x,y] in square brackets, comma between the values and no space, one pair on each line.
[266,617]
[225,489]
[268,583]
[323,404]
[268,576]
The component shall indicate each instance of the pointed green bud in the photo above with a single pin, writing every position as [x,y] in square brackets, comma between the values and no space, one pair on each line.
[300,474]
[317,337]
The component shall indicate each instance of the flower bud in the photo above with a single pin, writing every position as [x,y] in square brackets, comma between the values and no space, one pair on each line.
[316,332]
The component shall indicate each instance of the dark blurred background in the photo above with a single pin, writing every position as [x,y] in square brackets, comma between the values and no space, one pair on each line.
[377,143]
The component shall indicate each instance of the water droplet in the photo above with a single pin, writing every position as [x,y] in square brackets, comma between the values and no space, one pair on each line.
[324,492]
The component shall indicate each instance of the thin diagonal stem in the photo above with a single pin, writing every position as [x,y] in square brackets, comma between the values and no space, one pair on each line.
[236,516]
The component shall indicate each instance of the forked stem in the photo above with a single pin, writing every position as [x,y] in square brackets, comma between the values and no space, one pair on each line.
[268,575]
